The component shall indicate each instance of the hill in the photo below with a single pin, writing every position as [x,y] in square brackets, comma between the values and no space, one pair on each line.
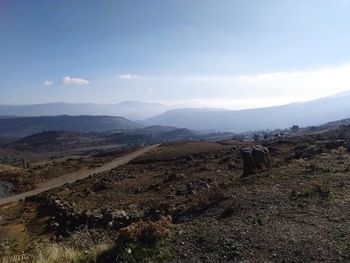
[129,109]
[24,126]
[314,112]
[54,141]
[51,141]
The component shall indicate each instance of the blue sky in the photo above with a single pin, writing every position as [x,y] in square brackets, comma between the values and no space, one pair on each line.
[226,53]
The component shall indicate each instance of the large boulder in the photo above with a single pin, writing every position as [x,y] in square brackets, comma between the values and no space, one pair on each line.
[255,160]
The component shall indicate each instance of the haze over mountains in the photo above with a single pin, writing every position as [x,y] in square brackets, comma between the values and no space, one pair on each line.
[133,110]
[310,113]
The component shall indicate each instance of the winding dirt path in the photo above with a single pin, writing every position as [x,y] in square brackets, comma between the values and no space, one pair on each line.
[78,175]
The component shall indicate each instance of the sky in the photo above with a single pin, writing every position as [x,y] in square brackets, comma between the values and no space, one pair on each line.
[204,53]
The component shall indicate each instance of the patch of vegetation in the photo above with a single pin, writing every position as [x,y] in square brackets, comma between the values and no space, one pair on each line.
[8,168]
[313,169]
[340,151]
[140,242]
[232,208]
[320,190]
[235,174]
[211,242]
[201,203]
[136,252]
[59,253]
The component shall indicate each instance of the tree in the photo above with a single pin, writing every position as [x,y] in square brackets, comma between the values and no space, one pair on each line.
[256,137]
[295,128]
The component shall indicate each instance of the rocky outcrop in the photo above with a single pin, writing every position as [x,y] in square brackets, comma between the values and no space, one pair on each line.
[255,160]
[66,217]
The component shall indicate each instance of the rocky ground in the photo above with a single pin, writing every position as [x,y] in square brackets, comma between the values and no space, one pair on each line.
[188,202]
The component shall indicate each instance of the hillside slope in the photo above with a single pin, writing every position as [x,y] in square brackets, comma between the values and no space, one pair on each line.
[24,126]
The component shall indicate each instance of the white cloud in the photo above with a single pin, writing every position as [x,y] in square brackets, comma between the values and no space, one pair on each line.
[128,76]
[74,81]
[48,83]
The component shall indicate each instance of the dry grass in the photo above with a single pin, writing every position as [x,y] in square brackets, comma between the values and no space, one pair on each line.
[147,231]
[9,169]
[57,253]
[340,151]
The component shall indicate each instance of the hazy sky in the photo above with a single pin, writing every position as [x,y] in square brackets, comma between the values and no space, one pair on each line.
[220,53]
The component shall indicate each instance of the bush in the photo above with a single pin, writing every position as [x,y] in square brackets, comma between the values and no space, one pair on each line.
[294,128]
[140,242]
[146,231]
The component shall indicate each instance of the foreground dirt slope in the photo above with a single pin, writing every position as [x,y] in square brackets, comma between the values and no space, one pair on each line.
[296,212]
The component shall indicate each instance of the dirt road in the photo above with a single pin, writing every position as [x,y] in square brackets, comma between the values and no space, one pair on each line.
[78,175]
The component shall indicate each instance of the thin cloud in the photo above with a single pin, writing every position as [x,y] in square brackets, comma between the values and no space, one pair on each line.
[245,91]
[48,83]
[128,76]
[295,85]
[67,81]
[74,81]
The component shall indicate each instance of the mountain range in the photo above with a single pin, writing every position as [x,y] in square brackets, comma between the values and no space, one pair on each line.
[133,110]
[309,113]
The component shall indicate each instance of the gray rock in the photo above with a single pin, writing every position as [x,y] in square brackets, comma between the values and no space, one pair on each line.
[255,160]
